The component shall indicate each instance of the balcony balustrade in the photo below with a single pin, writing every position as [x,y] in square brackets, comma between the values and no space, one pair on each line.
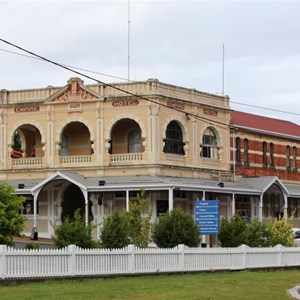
[126,158]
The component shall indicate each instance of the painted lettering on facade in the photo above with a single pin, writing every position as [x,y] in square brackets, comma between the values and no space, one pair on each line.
[125,103]
[210,112]
[22,109]
[74,107]
[176,105]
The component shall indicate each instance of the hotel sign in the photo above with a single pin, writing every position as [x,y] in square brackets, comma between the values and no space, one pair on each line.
[175,105]
[125,103]
[210,112]
[25,109]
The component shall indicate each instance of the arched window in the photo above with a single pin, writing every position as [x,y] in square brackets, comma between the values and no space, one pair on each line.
[295,167]
[134,141]
[238,150]
[288,161]
[174,142]
[209,144]
[265,160]
[64,147]
[246,152]
[272,164]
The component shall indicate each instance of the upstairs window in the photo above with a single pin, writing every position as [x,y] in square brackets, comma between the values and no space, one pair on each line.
[265,161]
[209,144]
[134,141]
[64,147]
[246,152]
[174,141]
[295,168]
[238,150]
[288,155]
[272,165]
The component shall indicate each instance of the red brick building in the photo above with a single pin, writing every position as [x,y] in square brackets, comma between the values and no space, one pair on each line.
[265,154]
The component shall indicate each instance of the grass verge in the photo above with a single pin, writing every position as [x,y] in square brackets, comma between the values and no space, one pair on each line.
[202,286]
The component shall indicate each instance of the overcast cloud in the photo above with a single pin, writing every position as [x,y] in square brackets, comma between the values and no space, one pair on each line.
[177,42]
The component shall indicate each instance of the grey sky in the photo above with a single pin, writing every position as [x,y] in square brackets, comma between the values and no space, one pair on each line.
[178,42]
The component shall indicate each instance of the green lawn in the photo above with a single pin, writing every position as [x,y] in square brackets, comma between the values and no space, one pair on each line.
[204,286]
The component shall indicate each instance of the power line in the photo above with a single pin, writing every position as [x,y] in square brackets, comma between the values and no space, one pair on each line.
[187,114]
[77,68]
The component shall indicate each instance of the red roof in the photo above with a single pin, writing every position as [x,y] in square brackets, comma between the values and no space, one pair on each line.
[261,123]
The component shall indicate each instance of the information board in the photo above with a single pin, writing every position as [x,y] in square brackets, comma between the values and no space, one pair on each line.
[207,216]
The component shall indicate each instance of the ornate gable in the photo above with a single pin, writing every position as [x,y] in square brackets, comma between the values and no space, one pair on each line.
[74,90]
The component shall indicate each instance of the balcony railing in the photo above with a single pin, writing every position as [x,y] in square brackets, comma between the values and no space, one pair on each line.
[75,160]
[126,158]
[27,162]
[175,159]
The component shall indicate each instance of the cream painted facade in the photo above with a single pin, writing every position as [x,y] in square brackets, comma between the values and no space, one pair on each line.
[94,147]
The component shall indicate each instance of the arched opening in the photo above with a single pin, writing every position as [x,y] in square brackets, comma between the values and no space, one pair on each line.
[209,146]
[75,140]
[174,139]
[273,202]
[72,200]
[26,142]
[126,137]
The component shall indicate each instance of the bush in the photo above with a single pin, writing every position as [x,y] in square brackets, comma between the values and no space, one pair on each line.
[174,228]
[114,233]
[32,246]
[259,234]
[233,232]
[73,232]
[139,221]
[281,232]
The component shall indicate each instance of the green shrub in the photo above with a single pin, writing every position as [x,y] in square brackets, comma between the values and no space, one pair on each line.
[233,232]
[32,246]
[281,232]
[73,231]
[174,228]
[114,233]
[259,234]
[139,221]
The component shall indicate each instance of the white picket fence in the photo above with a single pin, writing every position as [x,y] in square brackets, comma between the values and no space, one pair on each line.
[73,261]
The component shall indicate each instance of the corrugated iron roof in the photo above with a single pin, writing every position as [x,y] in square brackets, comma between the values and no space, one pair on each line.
[262,123]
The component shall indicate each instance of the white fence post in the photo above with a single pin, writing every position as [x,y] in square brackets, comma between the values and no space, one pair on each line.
[131,258]
[279,250]
[244,260]
[181,257]
[3,249]
[72,259]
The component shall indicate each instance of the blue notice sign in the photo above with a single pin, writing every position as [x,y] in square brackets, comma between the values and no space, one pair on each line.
[207,216]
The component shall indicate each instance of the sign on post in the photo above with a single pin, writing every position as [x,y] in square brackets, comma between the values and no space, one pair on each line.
[207,216]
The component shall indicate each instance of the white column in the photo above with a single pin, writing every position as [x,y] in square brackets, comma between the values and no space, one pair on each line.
[35,197]
[127,200]
[285,206]
[233,205]
[171,201]
[260,208]
[86,202]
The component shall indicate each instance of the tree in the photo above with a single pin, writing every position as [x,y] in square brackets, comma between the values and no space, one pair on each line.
[114,233]
[73,231]
[233,232]
[174,228]
[139,221]
[11,222]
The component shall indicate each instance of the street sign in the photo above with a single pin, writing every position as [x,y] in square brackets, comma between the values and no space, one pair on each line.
[207,216]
